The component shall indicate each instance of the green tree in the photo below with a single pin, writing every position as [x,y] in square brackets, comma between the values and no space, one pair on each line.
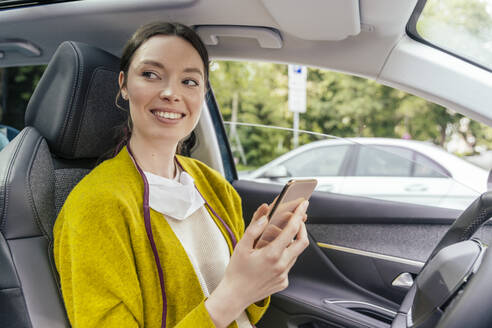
[338,104]
[21,82]
[259,93]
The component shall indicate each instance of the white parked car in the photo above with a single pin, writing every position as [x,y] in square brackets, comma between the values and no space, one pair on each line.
[391,169]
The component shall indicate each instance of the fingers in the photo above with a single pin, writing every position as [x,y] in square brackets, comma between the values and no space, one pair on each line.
[290,230]
[296,247]
[260,211]
[299,244]
[254,231]
[281,219]
[289,206]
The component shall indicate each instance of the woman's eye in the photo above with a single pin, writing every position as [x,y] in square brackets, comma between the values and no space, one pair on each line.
[190,82]
[149,75]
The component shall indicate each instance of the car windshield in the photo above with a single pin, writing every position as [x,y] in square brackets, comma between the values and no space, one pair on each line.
[356,136]
[462,27]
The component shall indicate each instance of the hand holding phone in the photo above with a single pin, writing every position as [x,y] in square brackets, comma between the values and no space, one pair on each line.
[291,196]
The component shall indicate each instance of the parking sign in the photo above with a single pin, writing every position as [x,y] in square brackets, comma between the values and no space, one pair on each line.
[297,88]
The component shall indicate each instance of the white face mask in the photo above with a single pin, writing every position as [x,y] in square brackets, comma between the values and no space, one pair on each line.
[177,198]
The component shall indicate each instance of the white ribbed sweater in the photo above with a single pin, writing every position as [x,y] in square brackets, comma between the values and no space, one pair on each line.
[205,246]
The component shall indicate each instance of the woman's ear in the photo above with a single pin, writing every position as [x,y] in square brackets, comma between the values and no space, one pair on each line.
[121,82]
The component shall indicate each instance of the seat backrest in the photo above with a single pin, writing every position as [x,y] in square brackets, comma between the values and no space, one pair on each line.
[70,123]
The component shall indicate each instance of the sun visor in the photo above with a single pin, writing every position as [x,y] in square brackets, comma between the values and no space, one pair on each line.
[267,38]
[329,20]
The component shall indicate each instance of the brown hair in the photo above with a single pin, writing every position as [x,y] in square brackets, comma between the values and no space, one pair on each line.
[141,35]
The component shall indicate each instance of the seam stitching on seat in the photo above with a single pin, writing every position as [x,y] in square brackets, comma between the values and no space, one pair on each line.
[20,285]
[30,197]
[7,177]
[68,114]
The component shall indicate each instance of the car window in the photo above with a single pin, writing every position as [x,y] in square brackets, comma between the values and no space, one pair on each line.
[402,143]
[425,167]
[384,162]
[416,140]
[460,27]
[16,86]
[321,161]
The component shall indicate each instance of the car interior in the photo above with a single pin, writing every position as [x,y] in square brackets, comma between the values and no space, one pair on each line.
[370,263]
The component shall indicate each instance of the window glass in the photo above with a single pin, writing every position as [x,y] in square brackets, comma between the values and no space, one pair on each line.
[254,102]
[321,161]
[384,162]
[424,167]
[16,86]
[463,27]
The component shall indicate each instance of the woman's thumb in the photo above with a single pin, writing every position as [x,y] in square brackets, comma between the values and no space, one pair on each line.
[254,230]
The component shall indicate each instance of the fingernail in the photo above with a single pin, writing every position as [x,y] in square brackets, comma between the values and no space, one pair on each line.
[262,220]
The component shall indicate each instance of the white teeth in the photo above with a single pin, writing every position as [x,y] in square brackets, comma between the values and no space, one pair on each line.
[168,115]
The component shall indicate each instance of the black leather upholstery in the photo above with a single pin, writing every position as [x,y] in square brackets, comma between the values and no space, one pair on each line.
[70,120]
[72,100]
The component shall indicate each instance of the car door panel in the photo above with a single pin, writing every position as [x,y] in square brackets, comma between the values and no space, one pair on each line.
[407,241]
[341,286]
[372,271]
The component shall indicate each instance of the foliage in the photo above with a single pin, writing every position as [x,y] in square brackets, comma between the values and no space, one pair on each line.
[464,26]
[261,91]
[19,83]
[338,104]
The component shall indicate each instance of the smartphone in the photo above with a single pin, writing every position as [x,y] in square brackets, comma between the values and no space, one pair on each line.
[293,194]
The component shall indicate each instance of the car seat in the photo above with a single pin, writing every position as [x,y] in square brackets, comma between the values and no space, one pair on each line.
[69,125]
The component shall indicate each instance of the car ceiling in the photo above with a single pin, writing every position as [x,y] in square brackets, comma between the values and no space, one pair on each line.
[380,51]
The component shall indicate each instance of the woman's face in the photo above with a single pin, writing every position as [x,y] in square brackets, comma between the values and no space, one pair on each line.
[165,88]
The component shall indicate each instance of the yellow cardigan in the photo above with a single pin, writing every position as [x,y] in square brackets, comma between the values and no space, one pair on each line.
[107,269]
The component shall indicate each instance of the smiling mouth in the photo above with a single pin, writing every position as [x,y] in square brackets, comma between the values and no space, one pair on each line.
[167,115]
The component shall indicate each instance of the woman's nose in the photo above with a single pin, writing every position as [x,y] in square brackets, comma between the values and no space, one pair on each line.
[168,93]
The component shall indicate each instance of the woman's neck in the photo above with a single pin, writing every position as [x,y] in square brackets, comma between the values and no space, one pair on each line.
[156,159]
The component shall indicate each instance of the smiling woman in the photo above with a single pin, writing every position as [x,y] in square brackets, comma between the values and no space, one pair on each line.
[165,87]
[154,239]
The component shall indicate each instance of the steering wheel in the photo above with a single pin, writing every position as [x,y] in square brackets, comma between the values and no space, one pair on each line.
[454,288]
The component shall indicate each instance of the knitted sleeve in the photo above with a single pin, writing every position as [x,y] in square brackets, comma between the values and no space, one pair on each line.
[96,265]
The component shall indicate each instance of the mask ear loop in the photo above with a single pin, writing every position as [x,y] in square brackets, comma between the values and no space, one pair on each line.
[228,229]
[150,236]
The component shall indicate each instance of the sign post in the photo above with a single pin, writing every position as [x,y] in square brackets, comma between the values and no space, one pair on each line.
[297,96]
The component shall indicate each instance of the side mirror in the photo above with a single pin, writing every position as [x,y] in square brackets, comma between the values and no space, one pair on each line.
[276,172]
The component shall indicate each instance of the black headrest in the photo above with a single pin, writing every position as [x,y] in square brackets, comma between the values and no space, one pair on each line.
[73,106]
